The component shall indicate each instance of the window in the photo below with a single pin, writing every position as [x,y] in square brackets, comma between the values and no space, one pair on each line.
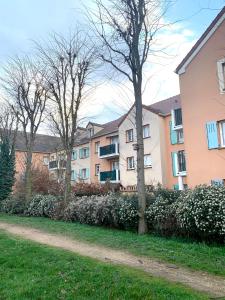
[217,182]
[177,118]
[221,75]
[129,135]
[130,163]
[180,136]
[222,133]
[73,175]
[97,145]
[147,160]
[45,160]
[91,132]
[97,169]
[146,131]
[84,173]
[84,152]
[114,140]
[115,165]
[74,155]
[181,161]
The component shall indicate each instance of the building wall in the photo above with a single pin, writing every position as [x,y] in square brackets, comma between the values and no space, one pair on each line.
[105,164]
[38,162]
[82,163]
[152,145]
[202,102]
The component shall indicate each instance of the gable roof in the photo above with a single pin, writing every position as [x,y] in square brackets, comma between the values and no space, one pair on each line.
[109,127]
[164,107]
[43,143]
[201,42]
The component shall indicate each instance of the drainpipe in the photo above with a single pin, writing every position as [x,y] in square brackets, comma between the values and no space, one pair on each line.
[180,183]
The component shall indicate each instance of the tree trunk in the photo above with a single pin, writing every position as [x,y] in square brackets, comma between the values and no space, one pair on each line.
[142,227]
[67,194]
[28,176]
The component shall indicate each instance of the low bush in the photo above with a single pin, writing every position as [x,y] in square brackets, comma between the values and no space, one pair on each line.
[43,206]
[13,205]
[201,212]
[90,189]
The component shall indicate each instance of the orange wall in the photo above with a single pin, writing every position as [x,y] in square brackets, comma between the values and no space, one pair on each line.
[202,102]
[21,158]
[170,179]
[105,165]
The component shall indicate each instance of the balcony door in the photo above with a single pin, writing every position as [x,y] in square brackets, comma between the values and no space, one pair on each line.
[114,140]
[115,165]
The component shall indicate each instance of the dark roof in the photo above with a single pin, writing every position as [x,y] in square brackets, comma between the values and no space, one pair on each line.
[43,143]
[221,13]
[164,107]
[109,127]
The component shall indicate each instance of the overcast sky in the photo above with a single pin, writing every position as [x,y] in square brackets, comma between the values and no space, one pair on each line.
[26,20]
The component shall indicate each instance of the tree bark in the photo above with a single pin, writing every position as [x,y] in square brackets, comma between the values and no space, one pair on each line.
[28,176]
[67,195]
[142,227]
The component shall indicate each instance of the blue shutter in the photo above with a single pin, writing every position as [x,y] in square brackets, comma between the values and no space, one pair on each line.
[212,135]
[176,187]
[72,175]
[80,174]
[88,152]
[173,134]
[74,155]
[174,163]
[80,153]
[87,173]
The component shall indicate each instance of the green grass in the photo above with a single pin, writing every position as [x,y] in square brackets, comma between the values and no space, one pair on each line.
[32,271]
[197,256]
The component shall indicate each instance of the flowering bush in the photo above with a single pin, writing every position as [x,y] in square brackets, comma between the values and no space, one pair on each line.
[201,212]
[13,205]
[43,206]
[128,212]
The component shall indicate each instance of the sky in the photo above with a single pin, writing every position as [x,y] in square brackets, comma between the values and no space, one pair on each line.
[23,21]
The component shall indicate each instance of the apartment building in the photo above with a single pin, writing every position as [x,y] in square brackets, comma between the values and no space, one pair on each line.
[202,85]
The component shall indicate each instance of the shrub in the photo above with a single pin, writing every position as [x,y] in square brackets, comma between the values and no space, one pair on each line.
[43,206]
[93,210]
[201,212]
[89,189]
[128,212]
[13,205]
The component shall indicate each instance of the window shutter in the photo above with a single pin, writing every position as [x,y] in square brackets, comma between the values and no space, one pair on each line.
[174,163]
[75,154]
[173,134]
[88,151]
[80,153]
[176,187]
[212,135]
[87,173]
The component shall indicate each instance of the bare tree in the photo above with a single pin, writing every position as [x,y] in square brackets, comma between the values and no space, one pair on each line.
[8,125]
[127,29]
[25,88]
[67,63]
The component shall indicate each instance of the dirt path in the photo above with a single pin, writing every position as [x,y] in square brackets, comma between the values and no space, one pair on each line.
[197,280]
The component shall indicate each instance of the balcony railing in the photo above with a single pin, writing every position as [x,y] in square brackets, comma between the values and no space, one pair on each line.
[112,176]
[108,151]
[57,164]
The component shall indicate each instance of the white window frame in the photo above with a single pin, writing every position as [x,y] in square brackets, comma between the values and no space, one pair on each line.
[221,75]
[178,139]
[128,164]
[97,146]
[222,140]
[184,173]
[84,177]
[150,160]
[174,127]
[45,160]
[128,140]
[143,131]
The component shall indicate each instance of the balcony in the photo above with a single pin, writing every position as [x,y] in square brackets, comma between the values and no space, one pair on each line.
[57,164]
[112,176]
[109,151]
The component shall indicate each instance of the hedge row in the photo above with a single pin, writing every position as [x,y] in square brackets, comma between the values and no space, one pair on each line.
[198,213]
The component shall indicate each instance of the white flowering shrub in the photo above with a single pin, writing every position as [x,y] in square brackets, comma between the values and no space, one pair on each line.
[161,216]
[201,212]
[13,205]
[43,206]
[128,212]
[94,210]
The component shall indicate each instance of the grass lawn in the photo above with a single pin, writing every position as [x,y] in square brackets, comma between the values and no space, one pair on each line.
[197,256]
[31,271]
